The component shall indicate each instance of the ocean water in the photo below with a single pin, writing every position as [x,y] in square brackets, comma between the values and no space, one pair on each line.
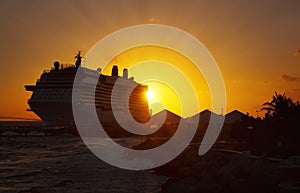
[64,164]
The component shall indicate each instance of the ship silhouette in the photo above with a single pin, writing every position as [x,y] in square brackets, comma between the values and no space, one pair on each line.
[51,97]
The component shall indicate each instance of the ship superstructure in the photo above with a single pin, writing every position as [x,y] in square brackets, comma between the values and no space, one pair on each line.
[51,96]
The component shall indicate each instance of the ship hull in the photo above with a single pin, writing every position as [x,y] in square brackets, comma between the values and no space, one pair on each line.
[53,113]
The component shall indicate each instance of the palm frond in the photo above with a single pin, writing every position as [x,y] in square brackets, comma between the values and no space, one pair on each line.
[267,109]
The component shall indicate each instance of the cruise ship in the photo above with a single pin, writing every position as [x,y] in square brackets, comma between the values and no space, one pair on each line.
[51,97]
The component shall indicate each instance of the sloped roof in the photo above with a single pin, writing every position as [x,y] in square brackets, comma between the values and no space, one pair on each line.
[205,116]
[171,117]
[230,118]
[234,116]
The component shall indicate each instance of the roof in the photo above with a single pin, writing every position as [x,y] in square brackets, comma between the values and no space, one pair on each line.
[171,117]
[233,116]
[205,116]
[230,118]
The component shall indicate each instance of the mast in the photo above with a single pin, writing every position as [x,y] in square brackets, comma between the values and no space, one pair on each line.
[78,59]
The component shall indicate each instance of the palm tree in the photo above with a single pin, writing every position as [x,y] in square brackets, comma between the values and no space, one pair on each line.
[279,106]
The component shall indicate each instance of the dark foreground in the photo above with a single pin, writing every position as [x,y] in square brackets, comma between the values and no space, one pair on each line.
[227,171]
[34,164]
[63,164]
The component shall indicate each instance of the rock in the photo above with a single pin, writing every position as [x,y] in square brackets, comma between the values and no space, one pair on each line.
[217,172]
[64,183]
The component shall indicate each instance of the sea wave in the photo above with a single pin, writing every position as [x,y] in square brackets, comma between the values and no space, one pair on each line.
[64,163]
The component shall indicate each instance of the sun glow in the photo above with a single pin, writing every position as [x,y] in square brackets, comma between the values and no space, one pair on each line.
[146,62]
[150,95]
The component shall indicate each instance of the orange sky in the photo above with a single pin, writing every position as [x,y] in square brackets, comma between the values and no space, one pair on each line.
[159,67]
[254,42]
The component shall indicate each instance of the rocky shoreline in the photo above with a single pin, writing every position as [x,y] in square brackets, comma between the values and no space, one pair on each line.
[219,171]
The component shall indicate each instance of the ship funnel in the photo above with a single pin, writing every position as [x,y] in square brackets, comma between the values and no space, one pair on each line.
[115,71]
[125,73]
[56,65]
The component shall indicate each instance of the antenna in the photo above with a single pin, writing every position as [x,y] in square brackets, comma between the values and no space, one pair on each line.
[78,59]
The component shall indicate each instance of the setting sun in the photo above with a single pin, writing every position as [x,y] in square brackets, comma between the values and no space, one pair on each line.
[162,70]
[150,96]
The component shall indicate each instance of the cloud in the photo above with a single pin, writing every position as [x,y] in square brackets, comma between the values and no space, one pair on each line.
[154,20]
[266,83]
[297,52]
[289,78]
